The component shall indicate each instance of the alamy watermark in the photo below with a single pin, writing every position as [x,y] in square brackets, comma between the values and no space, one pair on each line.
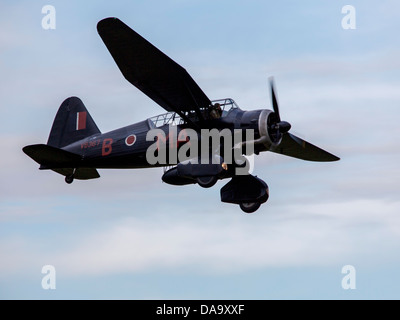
[49,280]
[349,280]
[188,146]
[349,20]
[49,20]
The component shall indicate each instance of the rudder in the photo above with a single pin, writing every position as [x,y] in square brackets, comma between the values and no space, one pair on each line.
[72,123]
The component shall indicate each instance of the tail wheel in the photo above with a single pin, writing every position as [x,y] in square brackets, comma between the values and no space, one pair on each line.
[250,207]
[69,179]
[207,182]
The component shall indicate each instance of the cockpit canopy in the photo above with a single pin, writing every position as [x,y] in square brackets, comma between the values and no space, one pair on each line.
[172,118]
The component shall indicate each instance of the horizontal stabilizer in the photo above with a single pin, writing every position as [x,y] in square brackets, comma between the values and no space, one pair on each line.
[80,173]
[61,161]
[296,147]
[51,157]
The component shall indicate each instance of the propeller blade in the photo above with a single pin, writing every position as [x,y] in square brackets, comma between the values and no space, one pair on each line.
[296,147]
[274,100]
[289,144]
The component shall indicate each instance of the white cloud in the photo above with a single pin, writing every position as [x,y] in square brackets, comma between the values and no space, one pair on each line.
[287,236]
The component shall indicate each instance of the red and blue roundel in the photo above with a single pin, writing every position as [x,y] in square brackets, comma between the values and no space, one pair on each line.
[130,140]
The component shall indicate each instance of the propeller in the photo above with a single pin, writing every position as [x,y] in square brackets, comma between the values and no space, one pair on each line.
[289,144]
[276,127]
[275,136]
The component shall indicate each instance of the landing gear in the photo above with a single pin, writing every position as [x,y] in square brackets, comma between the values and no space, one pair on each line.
[69,179]
[247,191]
[207,182]
[250,207]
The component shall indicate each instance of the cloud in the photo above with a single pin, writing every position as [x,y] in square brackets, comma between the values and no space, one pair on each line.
[285,236]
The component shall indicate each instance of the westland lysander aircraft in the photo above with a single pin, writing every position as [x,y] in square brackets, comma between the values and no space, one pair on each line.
[76,148]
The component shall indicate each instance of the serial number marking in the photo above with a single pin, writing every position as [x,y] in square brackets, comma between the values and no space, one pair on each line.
[90,144]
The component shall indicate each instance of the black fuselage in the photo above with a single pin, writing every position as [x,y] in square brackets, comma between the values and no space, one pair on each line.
[115,149]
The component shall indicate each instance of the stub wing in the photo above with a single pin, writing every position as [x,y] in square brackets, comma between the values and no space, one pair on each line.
[150,70]
[296,147]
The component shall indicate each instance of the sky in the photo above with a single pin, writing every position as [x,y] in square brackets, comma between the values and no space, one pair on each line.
[127,235]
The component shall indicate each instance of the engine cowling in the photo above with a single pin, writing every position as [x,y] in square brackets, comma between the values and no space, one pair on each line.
[266,124]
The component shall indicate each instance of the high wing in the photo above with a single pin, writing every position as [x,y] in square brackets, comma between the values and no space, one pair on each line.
[151,71]
[296,147]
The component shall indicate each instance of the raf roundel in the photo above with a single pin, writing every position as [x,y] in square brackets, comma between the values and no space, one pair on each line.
[130,140]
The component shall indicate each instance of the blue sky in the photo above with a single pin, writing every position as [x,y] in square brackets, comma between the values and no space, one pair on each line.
[127,235]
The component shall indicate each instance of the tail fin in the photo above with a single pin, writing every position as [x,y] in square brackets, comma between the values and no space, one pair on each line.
[72,123]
